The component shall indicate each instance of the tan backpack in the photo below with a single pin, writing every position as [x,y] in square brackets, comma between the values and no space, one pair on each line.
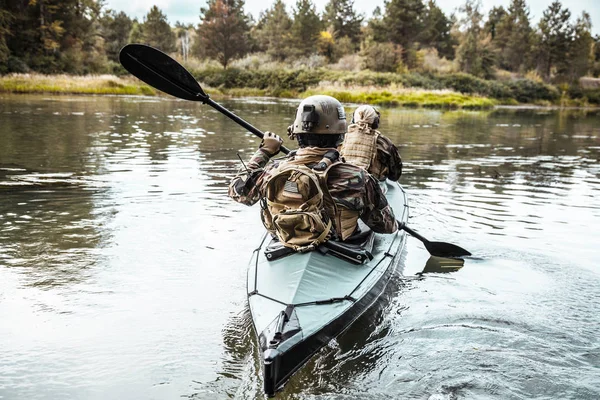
[294,206]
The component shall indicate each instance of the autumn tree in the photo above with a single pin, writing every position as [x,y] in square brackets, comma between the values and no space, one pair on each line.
[341,17]
[223,31]
[306,27]
[273,31]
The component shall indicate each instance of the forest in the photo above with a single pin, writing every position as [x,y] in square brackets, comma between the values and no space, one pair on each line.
[408,43]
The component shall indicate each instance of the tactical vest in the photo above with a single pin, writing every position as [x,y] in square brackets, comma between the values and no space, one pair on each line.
[360,146]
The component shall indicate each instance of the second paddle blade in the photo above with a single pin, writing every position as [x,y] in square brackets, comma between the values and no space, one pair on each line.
[159,70]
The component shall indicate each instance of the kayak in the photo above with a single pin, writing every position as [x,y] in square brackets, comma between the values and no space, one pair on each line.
[299,302]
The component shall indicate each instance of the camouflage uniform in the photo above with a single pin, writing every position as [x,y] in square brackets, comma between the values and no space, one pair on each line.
[387,163]
[351,187]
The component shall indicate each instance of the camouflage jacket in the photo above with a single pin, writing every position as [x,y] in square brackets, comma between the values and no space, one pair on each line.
[350,187]
[387,163]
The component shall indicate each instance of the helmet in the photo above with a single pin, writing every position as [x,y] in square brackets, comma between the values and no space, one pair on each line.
[320,114]
[367,114]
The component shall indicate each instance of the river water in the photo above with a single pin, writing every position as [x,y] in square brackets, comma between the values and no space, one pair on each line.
[123,262]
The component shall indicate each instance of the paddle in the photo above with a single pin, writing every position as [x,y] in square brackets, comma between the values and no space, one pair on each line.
[439,249]
[165,74]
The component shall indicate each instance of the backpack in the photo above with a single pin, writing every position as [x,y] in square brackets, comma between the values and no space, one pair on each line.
[293,208]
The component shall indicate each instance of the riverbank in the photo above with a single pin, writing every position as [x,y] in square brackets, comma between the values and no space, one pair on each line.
[71,84]
[457,91]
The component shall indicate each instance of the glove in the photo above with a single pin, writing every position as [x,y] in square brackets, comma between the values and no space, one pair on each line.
[271,143]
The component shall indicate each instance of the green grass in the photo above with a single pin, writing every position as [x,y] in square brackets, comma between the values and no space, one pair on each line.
[409,98]
[65,84]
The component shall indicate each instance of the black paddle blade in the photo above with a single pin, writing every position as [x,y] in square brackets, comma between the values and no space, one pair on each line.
[160,71]
[443,249]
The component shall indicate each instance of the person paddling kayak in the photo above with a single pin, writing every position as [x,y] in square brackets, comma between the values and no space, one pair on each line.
[299,212]
[366,147]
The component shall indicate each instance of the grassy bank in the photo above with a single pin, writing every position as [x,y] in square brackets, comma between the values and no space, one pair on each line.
[453,91]
[69,84]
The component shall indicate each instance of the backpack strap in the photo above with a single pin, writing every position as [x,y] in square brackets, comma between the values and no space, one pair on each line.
[330,205]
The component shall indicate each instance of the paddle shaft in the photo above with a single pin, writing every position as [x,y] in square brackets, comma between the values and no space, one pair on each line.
[402,225]
[204,98]
[238,120]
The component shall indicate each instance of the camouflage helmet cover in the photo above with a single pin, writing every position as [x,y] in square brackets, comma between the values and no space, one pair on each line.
[320,114]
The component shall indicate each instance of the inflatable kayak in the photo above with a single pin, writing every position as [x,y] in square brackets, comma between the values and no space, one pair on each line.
[300,301]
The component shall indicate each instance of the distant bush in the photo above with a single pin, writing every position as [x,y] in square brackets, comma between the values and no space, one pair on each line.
[381,57]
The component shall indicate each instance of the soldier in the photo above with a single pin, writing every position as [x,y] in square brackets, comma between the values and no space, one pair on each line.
[290,206]
[366,147]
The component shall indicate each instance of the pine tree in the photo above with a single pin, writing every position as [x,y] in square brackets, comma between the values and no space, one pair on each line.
[475,53]
[306,27]
[436,31]
[519,36]
[157,32]
[135,34]
[115,31]
[273,32]
[554,38]
[581,53]
[495,17]
[6,19]
[223,31]
[341,17]
[403,21]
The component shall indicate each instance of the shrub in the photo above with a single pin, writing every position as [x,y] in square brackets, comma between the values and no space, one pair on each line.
[350,62]
[381,57]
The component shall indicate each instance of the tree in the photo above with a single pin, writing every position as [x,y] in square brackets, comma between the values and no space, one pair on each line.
[157,32]
[436,32]
[116,28]
[475,53]
[223,30]
[6,19]
[341,17]
[596,67]
[581,53]
[306,27]
[554,38]
[517,34]
[273,32]
[381,57]
[136,35]
[184,34]
[495,17]
[403,22]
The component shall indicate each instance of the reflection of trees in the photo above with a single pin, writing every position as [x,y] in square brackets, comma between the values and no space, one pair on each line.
[495,147]
[49,225]
[50,229]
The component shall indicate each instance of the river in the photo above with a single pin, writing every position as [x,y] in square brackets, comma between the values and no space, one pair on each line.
[123,262]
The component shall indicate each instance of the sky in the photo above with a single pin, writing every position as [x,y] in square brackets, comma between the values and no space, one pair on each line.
[188,11]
